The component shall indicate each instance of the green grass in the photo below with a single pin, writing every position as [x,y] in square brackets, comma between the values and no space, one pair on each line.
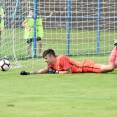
[46,95]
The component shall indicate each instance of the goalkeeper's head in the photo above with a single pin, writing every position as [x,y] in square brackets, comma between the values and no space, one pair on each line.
[49,52]
[49,56]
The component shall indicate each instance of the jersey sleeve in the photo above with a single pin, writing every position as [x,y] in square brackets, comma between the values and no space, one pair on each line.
[62,64]
[49,66]
[65,63]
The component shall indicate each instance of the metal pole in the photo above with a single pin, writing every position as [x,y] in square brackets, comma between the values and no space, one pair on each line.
[34,38]
[68,27]
[98,28]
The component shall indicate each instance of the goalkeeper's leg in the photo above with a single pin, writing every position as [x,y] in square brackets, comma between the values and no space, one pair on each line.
[112,61]
[39,41]
[113,55]
[29,42]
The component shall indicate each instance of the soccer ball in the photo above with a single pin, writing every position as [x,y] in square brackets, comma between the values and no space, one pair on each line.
[4,65]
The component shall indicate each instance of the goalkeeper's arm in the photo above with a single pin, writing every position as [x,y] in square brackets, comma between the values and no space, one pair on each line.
[53,71]
[45,70]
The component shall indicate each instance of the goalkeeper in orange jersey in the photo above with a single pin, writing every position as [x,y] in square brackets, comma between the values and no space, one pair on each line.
[28,24]
[64,65]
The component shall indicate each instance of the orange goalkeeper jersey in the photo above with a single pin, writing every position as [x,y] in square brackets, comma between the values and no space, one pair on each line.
[63,63]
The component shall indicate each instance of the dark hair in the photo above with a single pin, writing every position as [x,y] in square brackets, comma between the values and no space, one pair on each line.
[48,51]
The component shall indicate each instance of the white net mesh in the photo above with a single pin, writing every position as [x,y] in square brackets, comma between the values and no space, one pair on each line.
[85,30]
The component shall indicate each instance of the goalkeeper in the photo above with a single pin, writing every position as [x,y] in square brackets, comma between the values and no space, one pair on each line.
[1,20]
[64,65]
[28,24]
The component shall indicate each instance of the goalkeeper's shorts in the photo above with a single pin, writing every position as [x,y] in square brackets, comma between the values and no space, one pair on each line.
[90,66]
[31,39]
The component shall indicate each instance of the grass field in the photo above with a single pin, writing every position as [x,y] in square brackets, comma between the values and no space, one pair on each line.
[46,95]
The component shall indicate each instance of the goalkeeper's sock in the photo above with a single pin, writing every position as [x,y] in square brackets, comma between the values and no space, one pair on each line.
[113,55]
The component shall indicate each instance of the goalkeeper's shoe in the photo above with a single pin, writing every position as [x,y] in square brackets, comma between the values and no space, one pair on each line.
[115,43]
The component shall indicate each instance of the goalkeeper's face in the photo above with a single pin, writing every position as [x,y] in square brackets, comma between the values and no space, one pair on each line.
[50,59]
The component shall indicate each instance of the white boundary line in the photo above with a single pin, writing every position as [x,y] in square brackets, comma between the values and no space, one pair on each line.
[58,96]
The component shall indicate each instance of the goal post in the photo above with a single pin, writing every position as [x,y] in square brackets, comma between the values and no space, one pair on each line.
[35,17]
[68,27]
[84,29]
[98,28]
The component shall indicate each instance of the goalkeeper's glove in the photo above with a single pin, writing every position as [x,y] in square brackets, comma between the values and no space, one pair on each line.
[24,73]
[52,71]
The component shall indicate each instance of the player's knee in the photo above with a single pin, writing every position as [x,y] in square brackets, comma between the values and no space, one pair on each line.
[111,68]
[40,43]
[30,44]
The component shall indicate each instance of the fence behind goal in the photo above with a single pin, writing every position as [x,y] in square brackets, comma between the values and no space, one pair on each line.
[91,31]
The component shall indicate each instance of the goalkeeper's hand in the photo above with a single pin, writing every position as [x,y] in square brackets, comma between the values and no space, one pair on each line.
[24,73]
[52,71]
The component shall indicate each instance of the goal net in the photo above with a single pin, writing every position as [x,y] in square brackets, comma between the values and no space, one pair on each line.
[83,29]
